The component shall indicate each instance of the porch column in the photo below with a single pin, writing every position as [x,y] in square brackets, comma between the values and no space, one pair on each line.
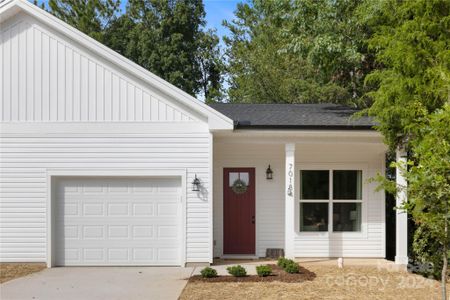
[401,241]
[289,215]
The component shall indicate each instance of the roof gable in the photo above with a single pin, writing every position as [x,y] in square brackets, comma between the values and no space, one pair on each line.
[135,94]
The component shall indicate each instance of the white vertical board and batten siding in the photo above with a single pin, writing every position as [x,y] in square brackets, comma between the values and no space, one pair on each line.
[64,107]
[50,79]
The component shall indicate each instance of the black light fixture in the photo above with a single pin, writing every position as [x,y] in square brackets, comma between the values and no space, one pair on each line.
[269,173]
[196,184]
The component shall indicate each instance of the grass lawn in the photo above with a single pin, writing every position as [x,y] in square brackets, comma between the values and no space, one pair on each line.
[9,271]
[352,282]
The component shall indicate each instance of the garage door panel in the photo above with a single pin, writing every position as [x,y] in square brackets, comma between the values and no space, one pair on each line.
[118,221]
[120,256]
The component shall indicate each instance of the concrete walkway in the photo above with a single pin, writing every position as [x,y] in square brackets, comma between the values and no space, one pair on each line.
[108,283]
[250,265]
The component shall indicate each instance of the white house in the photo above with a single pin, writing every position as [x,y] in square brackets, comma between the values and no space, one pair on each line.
[104,163]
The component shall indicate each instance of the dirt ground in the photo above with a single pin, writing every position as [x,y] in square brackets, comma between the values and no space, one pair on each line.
[9,271]
[352,282]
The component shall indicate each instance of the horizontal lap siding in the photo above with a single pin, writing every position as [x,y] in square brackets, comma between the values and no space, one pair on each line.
[371,243]
[269,193]
[23,181]
[270,196]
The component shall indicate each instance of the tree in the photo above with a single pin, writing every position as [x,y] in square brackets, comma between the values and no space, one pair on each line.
[429,181]
[331,37]
[167,38]
[88,16]
[412,44]
[212,67]
[298,51]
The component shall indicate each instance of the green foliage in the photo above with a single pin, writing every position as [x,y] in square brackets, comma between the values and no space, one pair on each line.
[428,188]
[297,52]
[208,272]
[212,67]
[429,176]
[288,265]
[237,271]
[263,270]
[282,262]
[167,38]
[89,16]
[161,37]
[427,250]
[412,42]
[291,267]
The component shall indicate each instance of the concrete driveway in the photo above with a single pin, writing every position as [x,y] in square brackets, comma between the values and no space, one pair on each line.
[109,283]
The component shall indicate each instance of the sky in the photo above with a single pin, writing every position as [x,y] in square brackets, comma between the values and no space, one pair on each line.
[216,12]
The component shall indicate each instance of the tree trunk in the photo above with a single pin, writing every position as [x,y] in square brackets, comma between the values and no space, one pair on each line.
[444,273]
[444,265]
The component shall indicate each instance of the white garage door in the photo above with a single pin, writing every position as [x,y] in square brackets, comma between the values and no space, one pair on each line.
[118,221]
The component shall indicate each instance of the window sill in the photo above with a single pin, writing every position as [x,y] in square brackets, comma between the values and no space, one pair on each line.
[332,235]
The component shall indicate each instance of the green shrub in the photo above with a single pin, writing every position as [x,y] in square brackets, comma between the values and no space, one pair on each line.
[237,271]
[208,272]
[263,270]
[291,267]
[426,258]
[282,262]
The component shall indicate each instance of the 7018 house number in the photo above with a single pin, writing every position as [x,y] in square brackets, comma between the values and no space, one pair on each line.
[290,175]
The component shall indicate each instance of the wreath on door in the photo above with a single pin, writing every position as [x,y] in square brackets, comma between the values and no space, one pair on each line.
[239,186]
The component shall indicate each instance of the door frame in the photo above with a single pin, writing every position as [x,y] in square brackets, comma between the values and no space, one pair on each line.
[238,169]
[54,174]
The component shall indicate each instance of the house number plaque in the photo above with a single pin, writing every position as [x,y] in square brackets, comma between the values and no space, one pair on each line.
[290,175]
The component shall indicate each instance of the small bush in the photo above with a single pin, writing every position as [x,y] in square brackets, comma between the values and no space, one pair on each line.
[282,262]
[208,272]
[291,267]
[237,271]
[263,270]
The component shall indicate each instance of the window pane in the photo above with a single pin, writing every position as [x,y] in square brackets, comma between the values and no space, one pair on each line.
[244,177]
[313,216]
[346,216]
[314,184]
[233,176]
[347,184]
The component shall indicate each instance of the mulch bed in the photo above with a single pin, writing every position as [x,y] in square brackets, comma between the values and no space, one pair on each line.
[278,274]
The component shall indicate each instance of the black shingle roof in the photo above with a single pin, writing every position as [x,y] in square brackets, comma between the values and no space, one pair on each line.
[291,116]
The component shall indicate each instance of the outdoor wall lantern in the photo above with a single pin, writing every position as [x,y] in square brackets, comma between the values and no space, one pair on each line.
[196,184]
[269,173]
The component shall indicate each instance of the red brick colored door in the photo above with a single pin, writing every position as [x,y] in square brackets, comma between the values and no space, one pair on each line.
[239,211]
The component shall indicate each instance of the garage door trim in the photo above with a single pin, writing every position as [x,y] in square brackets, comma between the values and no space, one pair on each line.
[53,174]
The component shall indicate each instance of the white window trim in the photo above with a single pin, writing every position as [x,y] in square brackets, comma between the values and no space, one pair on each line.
[330,234]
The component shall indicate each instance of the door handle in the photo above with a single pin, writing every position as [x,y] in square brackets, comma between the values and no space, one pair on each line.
[253,219]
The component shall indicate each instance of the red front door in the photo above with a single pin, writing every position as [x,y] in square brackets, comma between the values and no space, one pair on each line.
[239,210]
